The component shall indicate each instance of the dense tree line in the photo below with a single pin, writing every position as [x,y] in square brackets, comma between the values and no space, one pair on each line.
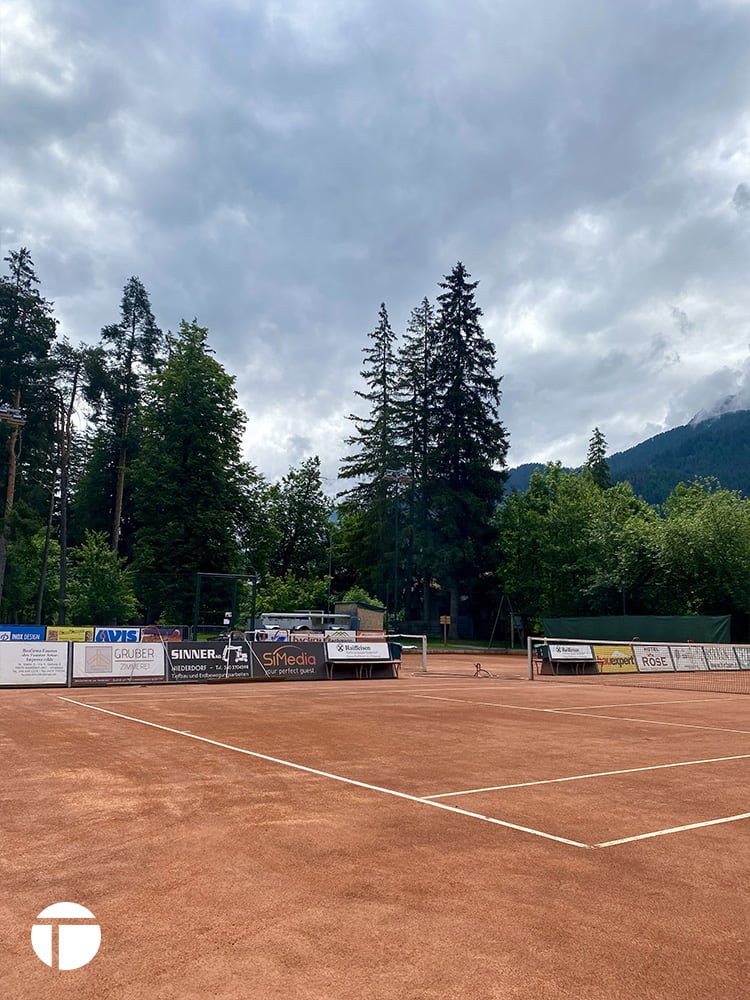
[123,477]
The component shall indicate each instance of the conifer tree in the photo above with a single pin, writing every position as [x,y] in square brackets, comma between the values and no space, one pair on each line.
[469,444]
[596,460]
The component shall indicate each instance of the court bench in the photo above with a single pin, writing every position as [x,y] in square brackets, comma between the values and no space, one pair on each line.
[544,663]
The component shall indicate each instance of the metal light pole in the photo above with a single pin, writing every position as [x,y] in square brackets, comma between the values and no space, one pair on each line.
[399,477]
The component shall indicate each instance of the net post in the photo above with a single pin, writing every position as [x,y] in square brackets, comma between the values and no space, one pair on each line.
[529,656]
[424,654]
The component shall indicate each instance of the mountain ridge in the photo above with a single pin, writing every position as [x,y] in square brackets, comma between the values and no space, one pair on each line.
[711,446]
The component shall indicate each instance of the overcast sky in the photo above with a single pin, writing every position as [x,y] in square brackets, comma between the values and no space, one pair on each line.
[277,168]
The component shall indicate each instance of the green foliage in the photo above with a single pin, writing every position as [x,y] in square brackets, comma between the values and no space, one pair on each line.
[358,595]
[192,490]
[100,588]
[298,513]
[596,460]
[291,593]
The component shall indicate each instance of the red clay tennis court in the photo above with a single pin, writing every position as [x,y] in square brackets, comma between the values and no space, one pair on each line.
[436,836]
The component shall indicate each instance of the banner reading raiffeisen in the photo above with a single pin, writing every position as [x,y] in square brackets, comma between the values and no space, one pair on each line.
[615,659]
[70,633]
[567,651]
[118,663]
[341,651]
[652,659]
[22,633]
[110,634]
[35,663]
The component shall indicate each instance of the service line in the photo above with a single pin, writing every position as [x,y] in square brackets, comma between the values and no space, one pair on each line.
[582,777]
[674,829]
[582,715]
[330,776]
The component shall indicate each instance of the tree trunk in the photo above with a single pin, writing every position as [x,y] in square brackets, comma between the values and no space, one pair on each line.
[9,494]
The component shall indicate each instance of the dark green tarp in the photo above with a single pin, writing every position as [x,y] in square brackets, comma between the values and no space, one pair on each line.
[648,628]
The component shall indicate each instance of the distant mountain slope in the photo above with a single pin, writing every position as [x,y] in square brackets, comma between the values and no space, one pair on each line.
[717,446]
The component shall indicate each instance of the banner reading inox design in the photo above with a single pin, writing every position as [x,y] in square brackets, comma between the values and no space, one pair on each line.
[289,661]
[117,663]
[22,633]
[208,661]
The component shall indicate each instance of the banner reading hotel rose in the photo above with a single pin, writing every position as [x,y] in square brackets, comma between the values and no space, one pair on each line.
[287,660]
[652,659]
[208,661]
[34,663]
[118,663]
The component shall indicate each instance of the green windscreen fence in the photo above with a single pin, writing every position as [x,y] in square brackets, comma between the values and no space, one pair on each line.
[647,628]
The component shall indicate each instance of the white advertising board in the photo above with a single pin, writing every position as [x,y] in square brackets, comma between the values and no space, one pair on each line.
[564,651]
[357,651]
[35,663]
[721,658]
[688,658]
[118,662]
[652,658]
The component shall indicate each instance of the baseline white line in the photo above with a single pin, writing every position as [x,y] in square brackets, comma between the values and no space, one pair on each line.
[583,715]
[674,829]
[596,774]
[331,776]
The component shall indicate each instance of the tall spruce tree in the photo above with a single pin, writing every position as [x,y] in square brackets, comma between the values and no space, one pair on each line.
[469,444]
[414,418]
[192,488]
[596,460]
[367,512]
[27,331]
[128,352]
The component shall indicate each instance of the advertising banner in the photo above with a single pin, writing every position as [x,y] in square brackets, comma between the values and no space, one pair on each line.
[109,634]
[341,635]
[163,633]
[69,633]
[653,658]
[22,633]
[118,663]
[354,651]
[289,661]
[34,663]
[721,658]
[615,659]
[564,651]
[743,656]
[208,661]
[688,658]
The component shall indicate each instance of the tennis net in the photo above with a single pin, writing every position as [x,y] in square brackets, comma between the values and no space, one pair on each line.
[687,666]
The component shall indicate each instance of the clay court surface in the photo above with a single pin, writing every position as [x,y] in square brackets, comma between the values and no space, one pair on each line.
[436,836]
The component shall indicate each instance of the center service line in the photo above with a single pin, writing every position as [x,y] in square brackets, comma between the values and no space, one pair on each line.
[332,777]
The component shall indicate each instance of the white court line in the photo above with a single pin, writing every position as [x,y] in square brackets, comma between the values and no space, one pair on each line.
[332,777]
[674,829]
[596,774]
[584,715]
[638,704]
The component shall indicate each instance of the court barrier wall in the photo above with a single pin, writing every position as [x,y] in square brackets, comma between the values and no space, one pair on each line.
[125,660]
[558,657]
